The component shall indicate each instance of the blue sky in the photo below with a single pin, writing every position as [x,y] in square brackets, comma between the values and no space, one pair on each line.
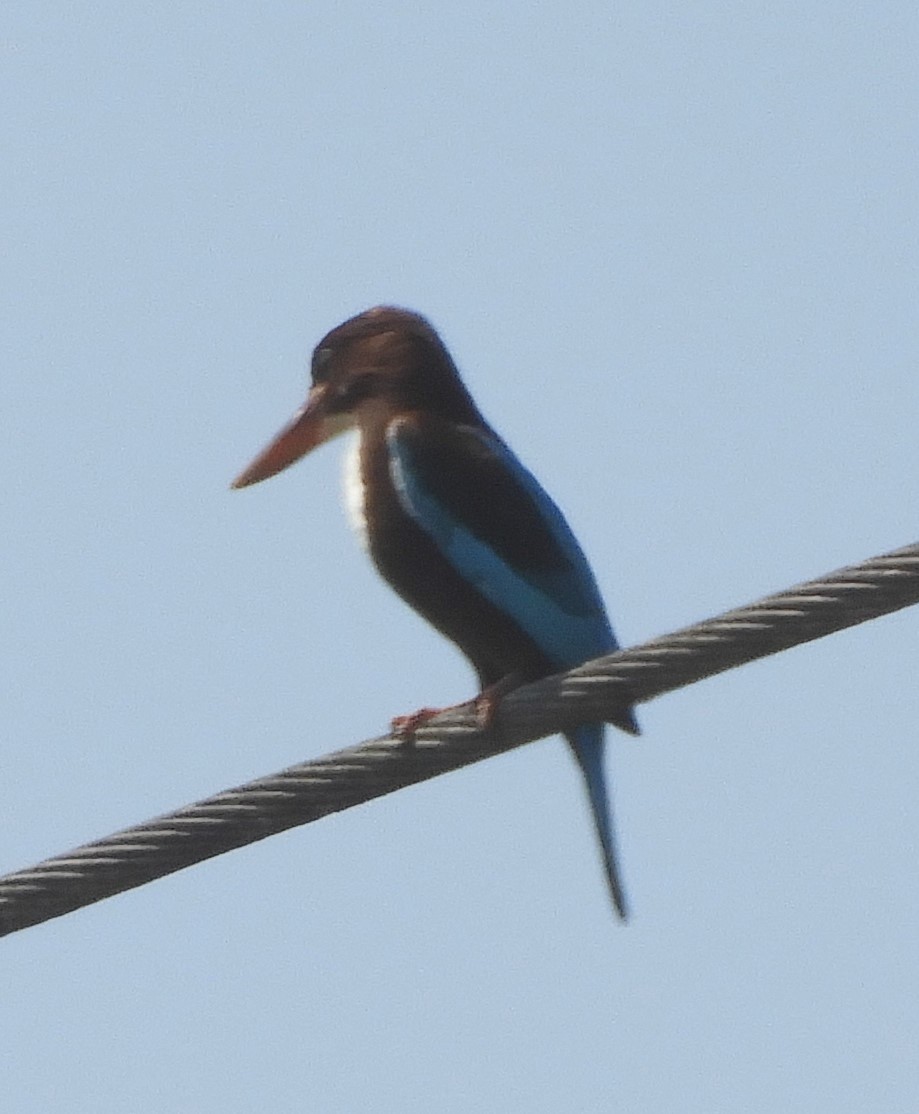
[673,248]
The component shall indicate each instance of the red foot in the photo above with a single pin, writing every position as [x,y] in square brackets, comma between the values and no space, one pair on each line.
[405,727]
[485,706]
[489,700]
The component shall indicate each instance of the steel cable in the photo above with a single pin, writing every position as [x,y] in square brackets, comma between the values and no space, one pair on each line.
[350,777]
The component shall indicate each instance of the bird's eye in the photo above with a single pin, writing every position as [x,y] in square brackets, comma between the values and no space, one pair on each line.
[322,359]
[352,391]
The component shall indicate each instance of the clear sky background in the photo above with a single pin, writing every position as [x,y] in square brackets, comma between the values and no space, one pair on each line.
[673,249]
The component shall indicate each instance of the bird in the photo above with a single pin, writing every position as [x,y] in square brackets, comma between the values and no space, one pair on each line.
[456,524]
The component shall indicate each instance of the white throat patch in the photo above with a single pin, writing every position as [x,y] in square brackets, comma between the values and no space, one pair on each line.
[354,488]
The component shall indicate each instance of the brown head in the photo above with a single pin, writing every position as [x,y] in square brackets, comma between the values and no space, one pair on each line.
[386,360]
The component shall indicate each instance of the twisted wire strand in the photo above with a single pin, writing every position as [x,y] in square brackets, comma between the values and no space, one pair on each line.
[337,781]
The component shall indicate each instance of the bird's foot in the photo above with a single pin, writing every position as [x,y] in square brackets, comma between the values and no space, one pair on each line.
[489,699]
[484,706]
[405,727]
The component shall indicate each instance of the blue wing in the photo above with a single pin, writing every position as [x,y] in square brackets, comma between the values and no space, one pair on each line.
[502,533]
[497,527]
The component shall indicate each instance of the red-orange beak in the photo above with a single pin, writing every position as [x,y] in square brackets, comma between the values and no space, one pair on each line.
[308,428]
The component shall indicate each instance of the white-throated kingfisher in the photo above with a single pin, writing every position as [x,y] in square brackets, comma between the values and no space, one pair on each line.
[454,522]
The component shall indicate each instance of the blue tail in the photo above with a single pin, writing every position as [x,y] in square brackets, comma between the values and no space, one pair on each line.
[587,744]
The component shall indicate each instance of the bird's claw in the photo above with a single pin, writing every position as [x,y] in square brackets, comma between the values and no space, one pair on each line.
[405,728]
[484,707]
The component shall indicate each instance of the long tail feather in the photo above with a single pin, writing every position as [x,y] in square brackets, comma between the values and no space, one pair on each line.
[587,744]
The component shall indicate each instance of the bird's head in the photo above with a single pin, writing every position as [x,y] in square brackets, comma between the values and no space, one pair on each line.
[385,361]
